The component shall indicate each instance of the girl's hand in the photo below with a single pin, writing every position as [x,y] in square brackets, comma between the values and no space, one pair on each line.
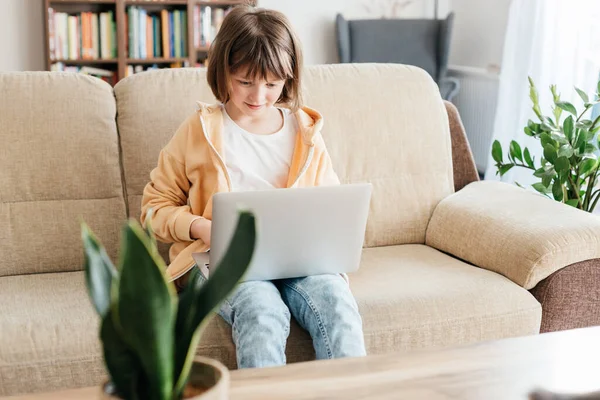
[200,229]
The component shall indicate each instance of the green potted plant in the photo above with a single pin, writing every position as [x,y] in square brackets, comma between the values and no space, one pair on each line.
[149,334]
[569,168]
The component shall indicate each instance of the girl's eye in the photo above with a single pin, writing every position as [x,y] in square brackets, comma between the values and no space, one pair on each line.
[244,83]
[271,85]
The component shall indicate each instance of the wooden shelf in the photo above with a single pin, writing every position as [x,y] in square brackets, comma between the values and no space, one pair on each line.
[119,9]
[156,60]
[218,2]
[85,62]
[55,2]
[156,3]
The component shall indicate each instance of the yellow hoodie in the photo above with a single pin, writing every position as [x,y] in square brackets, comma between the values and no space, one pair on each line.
[191,169]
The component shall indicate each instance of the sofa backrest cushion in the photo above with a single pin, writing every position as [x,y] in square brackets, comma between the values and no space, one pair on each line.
[150,107]
[384,123]
[59,164]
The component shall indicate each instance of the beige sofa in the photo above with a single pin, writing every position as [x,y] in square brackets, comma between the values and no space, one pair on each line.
[439,268]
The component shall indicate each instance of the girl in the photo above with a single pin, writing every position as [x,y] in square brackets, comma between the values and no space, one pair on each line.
[258,137]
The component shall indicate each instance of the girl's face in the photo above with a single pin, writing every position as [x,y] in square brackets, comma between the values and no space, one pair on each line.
[254,97]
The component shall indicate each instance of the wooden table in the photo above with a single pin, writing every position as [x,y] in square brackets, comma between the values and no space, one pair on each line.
[567,361]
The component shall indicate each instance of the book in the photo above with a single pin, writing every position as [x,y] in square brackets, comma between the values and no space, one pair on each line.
[164,19]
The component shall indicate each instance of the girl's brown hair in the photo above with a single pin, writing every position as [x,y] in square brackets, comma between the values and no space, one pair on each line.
[264,42]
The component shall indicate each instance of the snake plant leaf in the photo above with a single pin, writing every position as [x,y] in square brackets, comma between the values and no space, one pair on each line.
[99,271]
[123,366]
[146,310]
[200,298]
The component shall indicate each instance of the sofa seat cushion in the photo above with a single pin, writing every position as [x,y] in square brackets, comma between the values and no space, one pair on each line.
[411,297]
[48,334]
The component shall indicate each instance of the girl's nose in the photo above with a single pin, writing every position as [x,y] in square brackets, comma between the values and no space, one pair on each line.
[258,93]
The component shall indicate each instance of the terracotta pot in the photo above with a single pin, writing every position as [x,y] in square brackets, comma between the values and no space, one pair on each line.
[209,380]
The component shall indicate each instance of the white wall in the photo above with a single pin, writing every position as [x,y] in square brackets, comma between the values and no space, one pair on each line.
[477,40]
[21,35]
[478,34]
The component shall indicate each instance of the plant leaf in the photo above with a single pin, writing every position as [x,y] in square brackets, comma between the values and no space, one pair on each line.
[565,151]
[572,203]
[546,180]
[503,169]
[540,188]
[533,95]
[199,299]
[590,151]
[583,95]
[580,138]
[527,157]
[568,107]
[121,362]
[584,124]
[146,310]
[557,190]
[568,128]
[548,121]
[539,172]
[515,150]
[562,164]
[497,151]
[550,153]
[545,139]
[586,166]
[99,271]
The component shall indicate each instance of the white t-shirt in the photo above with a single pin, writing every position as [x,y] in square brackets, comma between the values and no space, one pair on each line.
[256,162]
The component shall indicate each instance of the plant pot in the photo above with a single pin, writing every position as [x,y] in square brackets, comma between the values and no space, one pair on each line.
[209,380]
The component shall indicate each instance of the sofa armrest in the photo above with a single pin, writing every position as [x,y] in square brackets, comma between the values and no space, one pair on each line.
[570,297]
[463,163]
[512,231]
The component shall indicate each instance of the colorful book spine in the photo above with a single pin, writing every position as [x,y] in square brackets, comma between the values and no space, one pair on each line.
[184,35]
[142,33]
[177,32]
[165,29]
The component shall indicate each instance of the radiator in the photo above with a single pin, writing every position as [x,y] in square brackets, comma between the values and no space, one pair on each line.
[476,103]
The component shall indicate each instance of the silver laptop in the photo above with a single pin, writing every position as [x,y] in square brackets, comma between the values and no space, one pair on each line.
[300,231]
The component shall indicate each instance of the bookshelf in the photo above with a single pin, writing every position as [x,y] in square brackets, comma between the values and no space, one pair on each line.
[106,38]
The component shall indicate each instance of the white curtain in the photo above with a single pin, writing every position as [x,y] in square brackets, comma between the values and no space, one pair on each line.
[554,42]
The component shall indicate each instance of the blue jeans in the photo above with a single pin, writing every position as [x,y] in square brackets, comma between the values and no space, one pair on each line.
[259,313]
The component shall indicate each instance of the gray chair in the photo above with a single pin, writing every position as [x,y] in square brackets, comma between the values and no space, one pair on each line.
[421,42]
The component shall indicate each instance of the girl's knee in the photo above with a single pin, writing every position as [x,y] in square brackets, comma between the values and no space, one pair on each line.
[259,306]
